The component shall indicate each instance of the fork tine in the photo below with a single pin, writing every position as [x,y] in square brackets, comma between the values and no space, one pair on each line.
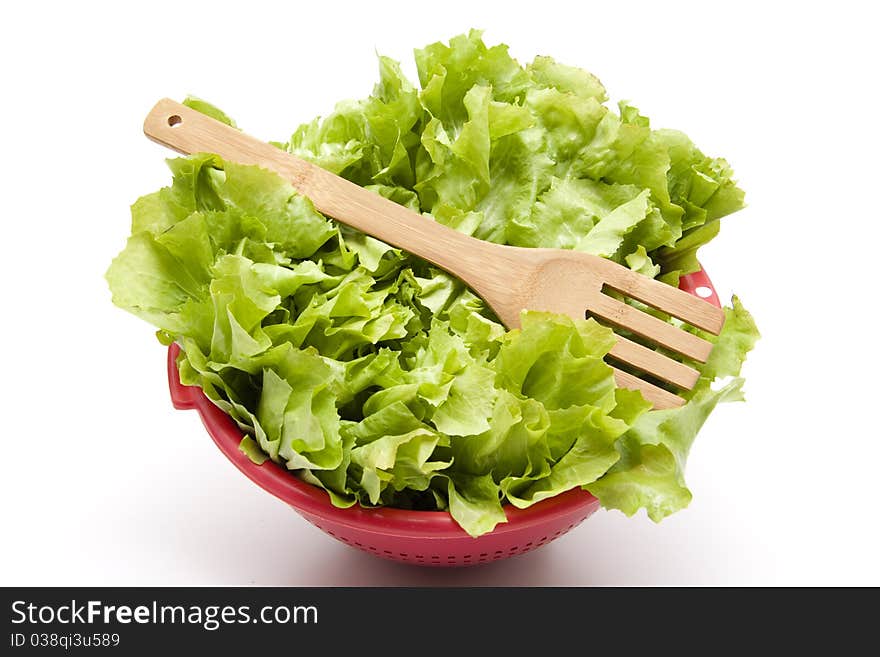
[648,326]
[656,363]
[658,396]
[685,306]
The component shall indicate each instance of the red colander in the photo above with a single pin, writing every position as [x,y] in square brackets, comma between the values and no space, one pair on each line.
[429,538]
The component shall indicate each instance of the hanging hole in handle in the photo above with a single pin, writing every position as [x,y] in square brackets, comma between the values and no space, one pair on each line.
[174,120]
[703,292]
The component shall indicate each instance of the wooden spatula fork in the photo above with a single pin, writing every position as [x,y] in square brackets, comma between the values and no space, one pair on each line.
[509,279]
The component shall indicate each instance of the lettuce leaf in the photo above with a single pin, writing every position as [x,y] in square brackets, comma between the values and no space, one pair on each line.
[653,452]
[384,381]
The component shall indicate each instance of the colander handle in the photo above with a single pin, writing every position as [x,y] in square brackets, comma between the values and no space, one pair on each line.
[698,284]
[182,397]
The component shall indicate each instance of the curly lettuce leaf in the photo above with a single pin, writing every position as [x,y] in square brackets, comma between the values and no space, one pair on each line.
[653,452]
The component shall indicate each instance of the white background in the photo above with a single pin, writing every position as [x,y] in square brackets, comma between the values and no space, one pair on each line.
[104,483]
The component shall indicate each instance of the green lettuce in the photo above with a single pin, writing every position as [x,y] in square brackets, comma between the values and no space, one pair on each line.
[385,381]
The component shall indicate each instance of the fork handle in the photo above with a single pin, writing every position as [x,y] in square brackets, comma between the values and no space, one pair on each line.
[188,131]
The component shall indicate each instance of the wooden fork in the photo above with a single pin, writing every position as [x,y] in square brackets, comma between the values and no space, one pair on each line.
[508,278]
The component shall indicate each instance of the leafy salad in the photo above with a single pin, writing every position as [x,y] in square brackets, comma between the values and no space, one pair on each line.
[385,381]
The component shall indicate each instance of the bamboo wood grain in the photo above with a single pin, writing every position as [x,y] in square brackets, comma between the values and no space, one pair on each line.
[510,279]
[659,397]
[648,360]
